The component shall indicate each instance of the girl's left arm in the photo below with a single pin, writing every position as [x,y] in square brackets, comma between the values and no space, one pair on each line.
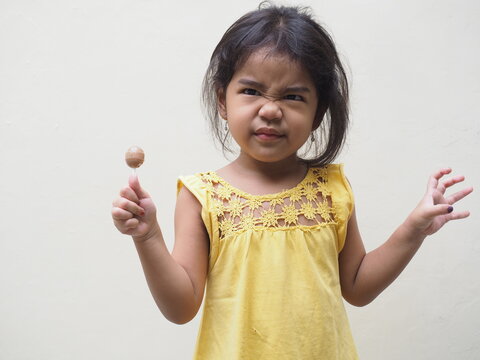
[363,276]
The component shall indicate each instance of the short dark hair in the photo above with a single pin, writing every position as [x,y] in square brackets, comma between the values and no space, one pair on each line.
[289,31]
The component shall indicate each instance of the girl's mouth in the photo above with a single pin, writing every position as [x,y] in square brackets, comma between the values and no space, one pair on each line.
[263,136]
[267,134]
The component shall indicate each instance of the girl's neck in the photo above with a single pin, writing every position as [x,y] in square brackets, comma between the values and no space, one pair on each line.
[245,172]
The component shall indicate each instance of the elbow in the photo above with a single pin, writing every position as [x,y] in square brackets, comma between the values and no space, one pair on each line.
[358,303]
[178,312]
[179,318]
[358,300]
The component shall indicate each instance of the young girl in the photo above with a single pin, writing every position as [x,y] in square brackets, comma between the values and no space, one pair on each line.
[274,235]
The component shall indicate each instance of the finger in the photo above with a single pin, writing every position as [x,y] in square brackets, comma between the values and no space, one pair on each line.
[459,215]
[441,188]
[131,223]
[135,185]
[128,205]
[452,199]
[438,210]
[128,193]
[435,177]
[121,214]
[127,227]
[453,181]
[443,171]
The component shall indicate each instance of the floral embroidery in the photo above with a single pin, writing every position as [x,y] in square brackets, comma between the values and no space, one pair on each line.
[209,187]
[269,218]
[276,201]
[324,210]
[224,192]
[226,226]
[310,192]
[218,208]
[322,187]
[254,203]
[248,222]
[235,208]
[307,204]
[289,214]
[296,196]
[308,211]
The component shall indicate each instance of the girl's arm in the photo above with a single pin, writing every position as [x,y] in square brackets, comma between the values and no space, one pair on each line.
[364,276]
[176,280]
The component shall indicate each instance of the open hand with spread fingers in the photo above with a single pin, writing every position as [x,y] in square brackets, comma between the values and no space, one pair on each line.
[436,208]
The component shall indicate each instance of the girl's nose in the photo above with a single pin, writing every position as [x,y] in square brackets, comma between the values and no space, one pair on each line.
[270,111]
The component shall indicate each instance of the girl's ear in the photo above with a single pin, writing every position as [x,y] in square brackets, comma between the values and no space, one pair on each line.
[222,105]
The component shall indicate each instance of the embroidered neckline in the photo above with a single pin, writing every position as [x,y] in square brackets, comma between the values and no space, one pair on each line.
[306,205]
[247,195]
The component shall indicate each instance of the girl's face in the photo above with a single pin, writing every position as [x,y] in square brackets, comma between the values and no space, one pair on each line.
[270,105]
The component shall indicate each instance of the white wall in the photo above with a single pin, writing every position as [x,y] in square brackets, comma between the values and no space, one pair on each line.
[81,81]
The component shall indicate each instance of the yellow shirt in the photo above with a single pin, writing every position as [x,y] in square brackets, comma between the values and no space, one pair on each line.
[273,289]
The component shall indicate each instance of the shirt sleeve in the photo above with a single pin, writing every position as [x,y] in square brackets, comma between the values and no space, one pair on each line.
[197,187]
[343,201]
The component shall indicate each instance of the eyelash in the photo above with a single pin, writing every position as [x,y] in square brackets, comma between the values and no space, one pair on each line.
[253,92]
[297,97]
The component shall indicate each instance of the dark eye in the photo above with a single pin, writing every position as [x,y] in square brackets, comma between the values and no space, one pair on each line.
[250,92]
[294,97]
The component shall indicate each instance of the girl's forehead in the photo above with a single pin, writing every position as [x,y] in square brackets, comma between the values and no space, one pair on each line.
[269,65]
[269,54]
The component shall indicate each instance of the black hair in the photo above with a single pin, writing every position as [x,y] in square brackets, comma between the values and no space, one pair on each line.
[293,32]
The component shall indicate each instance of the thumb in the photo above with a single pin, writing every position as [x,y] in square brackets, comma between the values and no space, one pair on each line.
[134,183]
[440,209]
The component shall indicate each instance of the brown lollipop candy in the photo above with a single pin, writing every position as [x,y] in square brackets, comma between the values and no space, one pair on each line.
[134,157]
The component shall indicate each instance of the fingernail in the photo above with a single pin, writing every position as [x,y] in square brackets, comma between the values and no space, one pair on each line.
[450,209]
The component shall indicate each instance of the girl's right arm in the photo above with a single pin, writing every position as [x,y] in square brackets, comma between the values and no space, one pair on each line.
[176,280]
[363,276]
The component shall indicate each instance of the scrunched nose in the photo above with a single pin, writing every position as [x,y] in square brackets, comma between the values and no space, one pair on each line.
[270,111]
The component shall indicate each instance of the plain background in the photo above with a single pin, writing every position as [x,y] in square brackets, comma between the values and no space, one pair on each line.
[81,81]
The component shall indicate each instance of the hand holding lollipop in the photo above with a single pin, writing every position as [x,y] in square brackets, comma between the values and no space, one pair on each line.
[133,210]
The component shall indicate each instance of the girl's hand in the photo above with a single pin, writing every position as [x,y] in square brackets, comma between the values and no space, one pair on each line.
[134,212]
[436,209]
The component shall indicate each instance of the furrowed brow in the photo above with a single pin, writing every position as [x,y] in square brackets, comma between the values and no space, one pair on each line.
[298,89]
[263,88]
[253,84]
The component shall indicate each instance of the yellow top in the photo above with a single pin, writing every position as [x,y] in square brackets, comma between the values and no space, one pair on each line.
[273,288]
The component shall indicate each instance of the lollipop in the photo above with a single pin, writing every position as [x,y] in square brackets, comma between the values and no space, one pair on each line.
[134,157]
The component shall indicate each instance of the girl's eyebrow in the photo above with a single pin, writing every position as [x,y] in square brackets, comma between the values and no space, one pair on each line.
[261,87]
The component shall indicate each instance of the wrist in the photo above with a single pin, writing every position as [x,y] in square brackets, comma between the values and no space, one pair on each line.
[413,230]
[151,235]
